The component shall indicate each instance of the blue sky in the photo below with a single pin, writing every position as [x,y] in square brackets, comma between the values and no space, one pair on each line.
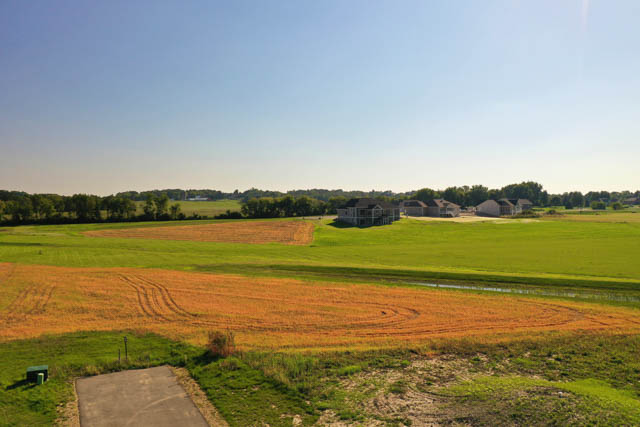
[101,97]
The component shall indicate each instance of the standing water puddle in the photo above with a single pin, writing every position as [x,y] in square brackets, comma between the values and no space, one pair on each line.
[545,292]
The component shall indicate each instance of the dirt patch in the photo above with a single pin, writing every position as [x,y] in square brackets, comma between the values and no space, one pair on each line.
[273,312]
[404,396]
[208,411]
[68,415]
[284,232]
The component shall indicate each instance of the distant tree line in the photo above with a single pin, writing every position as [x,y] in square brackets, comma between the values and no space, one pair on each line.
[286,206]
[473,196]
[18,207]
[254,193]
[463,196]
[22,208]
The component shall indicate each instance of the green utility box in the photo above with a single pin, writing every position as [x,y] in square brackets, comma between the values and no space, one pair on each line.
[33,371]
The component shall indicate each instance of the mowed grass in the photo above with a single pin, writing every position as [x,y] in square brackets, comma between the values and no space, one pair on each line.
[243,395]
[558,251]
[209,208]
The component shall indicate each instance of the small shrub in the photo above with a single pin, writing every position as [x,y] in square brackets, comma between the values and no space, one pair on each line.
[221,344]
[598,205]
[229,215]
[617,206]
[527,214]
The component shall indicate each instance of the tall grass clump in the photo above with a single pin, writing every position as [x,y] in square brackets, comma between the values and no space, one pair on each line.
[221,344]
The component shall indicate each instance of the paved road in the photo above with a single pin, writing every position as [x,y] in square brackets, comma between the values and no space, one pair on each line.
[145,397]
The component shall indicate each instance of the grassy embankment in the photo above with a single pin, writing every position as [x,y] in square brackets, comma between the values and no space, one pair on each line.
[562,380]
[544,252]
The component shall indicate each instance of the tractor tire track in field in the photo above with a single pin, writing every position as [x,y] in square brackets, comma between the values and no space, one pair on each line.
[9,273]
[155,300]
[31,300]
[168,300]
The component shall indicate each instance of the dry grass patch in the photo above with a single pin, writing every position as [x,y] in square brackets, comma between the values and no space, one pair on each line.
[270,313]
[285,232]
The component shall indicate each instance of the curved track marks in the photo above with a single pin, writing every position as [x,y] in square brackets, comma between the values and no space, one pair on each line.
[155,300]
[287,313]
[31,300]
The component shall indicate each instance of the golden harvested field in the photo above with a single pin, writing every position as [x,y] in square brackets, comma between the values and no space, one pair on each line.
[274,313]
[285,232]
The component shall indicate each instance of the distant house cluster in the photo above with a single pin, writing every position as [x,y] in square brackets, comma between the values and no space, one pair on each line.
[503,207]
[632,201]
[197,199]
[366,211]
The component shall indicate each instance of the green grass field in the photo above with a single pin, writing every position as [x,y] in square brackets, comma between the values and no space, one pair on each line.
[209,208]
[522,251]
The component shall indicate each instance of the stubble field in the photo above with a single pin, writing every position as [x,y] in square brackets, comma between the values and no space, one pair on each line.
[255,232]
[274,313]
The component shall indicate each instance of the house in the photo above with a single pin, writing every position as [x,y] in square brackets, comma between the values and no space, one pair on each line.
[434,207]
[503,207]
[197,199]
[366,211]
[525,204]
[414,208]
[442,208]
[632,201]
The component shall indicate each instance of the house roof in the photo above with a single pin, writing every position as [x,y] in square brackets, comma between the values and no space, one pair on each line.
[441,203]
[488,200]
[525,202]
[366,203]
[414,204]
[507,202]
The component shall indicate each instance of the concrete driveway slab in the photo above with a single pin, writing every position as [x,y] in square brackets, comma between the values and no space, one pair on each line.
[145,397]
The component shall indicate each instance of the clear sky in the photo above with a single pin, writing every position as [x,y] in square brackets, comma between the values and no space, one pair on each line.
[106,96]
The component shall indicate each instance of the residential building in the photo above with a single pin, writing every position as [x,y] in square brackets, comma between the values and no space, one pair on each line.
[197,199]
[503,207]
[363,212]
[414,208]
[434,207]
[442,208]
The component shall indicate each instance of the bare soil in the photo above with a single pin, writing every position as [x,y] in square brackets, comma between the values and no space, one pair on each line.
[255,232]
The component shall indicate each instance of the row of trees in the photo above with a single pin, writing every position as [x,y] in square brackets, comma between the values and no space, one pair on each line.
[254,193]
[286,206]
[20,208]
[473,196]
[464,195]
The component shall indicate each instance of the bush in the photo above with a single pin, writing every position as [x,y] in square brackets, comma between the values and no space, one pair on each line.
[617,206]
[598,206]
[221,344]
[526,214]
[229,215]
